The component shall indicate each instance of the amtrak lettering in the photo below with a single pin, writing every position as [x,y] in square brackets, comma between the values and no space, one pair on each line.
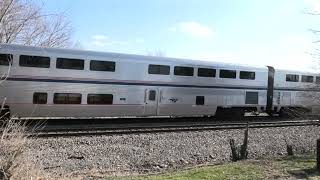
[174,100]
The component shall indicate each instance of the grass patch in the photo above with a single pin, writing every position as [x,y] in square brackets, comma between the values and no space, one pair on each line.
[295,167]
[299,167]
[227,171]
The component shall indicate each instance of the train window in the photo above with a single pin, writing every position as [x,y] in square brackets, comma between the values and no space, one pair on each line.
[34,61]
[102,65]
[199,100]
[159,69]
[5,59]
[307,79]
[292,77]
[247,75]
[67,98]
[183,71]
[65,63]
[228,74]
[40,98]
[100,99]
[252,97]
[318,79]
[152,95]
[206,72]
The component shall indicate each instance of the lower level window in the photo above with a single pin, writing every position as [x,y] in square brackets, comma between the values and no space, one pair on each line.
[200,100]
[40,98]
[6,59]
[67,98]
[252,98]
[100,99]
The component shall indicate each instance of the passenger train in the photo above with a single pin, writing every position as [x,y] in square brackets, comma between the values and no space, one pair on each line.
[51,82]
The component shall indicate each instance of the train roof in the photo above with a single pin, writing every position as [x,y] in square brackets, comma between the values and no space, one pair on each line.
[141,58]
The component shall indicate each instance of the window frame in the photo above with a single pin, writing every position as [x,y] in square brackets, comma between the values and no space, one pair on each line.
[249,73]
[107,63]
[154,95]
[306,78]
[205,75]
[252,97]
[292,75]
[9,58]
[67,98]
[60,59]
[167,71]
[33,61]
[91,102]
[317,80]
[177,73]
[200,100]
[228,70]
[36,98]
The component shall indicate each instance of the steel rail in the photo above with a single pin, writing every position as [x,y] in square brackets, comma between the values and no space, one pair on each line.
[101,129]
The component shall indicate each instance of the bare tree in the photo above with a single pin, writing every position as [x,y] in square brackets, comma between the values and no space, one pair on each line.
[157,52]
[23,22]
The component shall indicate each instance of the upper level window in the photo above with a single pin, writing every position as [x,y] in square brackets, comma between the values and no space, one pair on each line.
[307,79]
[34,61]
[67,98]
[65,63]
[100,99]
[206,72]
[292,77]
[102,65]
[183,71]
[5,59]
[159,69]
[40,98]
[247,75]
[228,74]
[318,79]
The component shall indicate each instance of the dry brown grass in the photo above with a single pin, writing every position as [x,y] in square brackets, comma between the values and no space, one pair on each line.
[12,145]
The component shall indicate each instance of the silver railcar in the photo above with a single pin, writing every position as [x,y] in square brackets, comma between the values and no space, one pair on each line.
[49,82]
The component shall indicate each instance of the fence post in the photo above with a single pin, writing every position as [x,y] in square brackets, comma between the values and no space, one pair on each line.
[318,154]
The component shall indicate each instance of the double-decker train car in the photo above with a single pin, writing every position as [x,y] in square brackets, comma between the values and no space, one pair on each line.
[50,82]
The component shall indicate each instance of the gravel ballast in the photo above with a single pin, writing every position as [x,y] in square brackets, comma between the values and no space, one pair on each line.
[148,152]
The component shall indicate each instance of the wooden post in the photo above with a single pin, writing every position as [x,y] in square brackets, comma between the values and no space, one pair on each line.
[244,146]
[289,150]
[234,152]
[318,154]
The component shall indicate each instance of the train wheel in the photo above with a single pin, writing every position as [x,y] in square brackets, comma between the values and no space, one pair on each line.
[293,112]
[233,114]
[283,113]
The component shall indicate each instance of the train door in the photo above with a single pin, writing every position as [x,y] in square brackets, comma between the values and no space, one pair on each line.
[151,102]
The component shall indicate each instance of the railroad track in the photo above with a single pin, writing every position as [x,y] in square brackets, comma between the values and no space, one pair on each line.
[150,127]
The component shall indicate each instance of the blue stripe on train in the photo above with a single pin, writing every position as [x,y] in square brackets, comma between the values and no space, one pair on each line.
[154,84]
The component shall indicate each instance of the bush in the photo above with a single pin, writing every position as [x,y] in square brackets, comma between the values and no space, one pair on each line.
[12,145]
